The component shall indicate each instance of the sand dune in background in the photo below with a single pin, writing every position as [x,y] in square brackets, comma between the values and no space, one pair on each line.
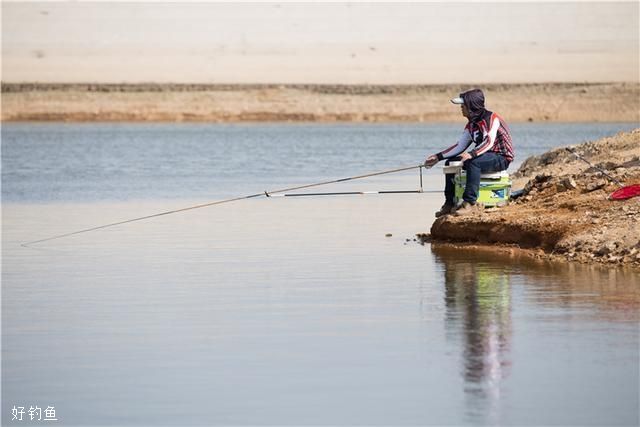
[330,43]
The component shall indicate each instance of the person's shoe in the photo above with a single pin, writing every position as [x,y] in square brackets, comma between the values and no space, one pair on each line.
[444,210]
[467,208]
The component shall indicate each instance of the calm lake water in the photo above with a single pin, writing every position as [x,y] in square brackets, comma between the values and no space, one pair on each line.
[288,311]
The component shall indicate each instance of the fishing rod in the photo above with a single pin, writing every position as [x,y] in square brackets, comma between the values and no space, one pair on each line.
[235,199]
[602,171]
[349,193]
[623,193]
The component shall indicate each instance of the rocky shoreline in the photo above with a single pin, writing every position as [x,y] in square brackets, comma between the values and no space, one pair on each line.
[229,103]
[564,212]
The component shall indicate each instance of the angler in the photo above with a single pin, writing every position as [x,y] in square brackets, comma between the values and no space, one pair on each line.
[492,151]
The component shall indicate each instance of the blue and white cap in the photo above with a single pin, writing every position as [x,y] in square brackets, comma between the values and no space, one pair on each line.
[457,100]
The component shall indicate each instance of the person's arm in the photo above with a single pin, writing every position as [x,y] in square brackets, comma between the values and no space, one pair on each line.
[489,138]
[460,146]
[463,143]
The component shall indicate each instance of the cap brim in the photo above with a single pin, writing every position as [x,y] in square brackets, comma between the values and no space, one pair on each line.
[457,100]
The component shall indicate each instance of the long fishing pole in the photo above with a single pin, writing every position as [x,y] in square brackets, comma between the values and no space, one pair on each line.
[602,171]
[219,202]
[351,193]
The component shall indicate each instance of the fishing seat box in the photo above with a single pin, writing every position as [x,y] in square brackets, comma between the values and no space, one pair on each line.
[495,188]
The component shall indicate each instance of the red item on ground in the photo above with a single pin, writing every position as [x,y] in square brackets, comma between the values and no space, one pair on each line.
[626,192]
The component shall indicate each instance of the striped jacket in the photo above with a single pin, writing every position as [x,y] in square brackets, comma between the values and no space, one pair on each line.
[488,134]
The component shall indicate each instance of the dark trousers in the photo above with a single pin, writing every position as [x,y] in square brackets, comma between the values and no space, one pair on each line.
[485,163]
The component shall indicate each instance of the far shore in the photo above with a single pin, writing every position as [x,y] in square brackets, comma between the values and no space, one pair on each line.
[230,103]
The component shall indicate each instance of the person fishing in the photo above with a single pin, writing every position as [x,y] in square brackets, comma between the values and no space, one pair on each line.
[492,152]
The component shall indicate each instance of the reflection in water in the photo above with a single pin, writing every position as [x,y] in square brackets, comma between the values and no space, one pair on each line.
[478,300]
[479,289]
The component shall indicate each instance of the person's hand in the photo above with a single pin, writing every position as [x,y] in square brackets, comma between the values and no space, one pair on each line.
[464,157]
[431,160]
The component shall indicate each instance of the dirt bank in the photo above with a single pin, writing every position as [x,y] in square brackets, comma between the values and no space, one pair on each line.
[557,102]
[565,211]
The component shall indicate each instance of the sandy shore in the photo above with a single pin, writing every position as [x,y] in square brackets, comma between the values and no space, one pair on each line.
[565,212]
[558,102]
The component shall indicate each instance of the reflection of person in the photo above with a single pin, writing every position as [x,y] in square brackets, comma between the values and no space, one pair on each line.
[492,152]
[478,308]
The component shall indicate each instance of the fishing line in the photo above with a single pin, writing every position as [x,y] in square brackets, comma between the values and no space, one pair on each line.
[235,199]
